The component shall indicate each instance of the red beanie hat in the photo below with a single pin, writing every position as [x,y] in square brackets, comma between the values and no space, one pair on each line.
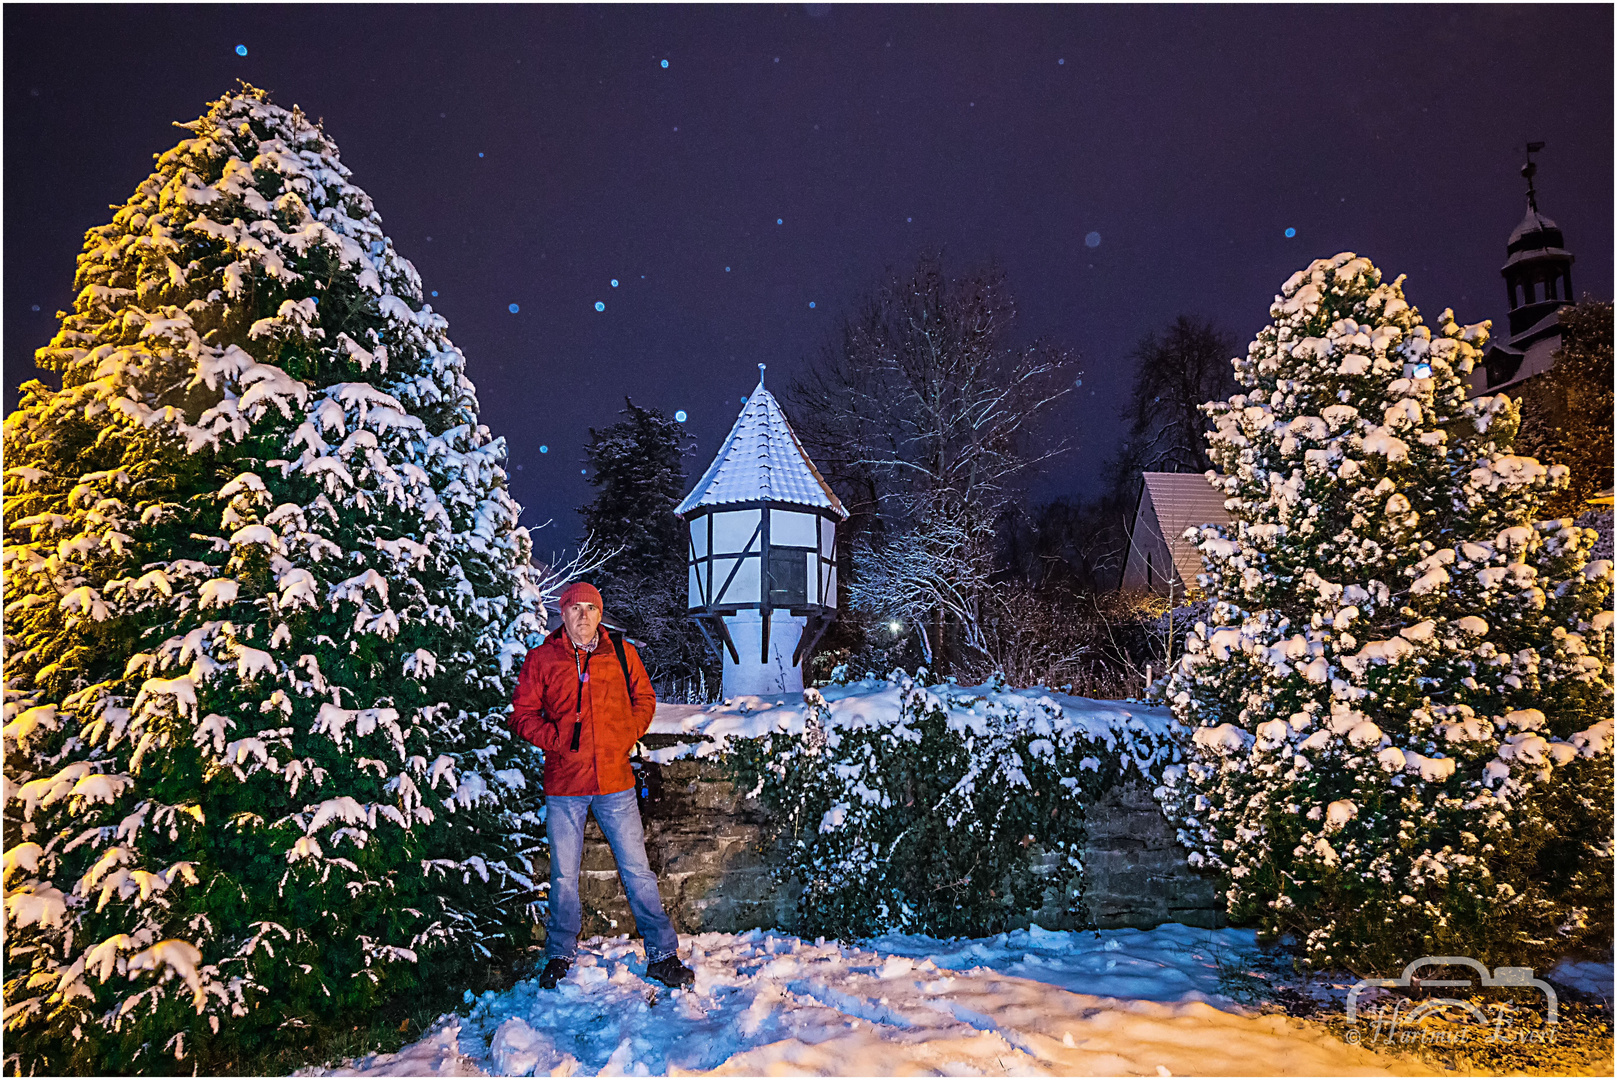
[580,592]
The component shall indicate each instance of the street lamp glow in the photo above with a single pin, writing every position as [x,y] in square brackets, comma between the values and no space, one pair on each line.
[895,626]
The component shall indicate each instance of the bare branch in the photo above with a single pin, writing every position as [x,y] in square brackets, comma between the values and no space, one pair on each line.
[552,577]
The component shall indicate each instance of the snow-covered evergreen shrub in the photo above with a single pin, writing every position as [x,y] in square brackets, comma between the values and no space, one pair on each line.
[264,588]
[920,809]
[1401,707]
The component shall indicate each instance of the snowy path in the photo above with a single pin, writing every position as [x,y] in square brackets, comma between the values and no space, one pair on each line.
[1028,1003]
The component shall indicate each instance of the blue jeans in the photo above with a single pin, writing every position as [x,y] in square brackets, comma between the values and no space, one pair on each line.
[618,814]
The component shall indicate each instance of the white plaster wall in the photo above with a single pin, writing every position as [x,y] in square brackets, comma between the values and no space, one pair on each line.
[776,676]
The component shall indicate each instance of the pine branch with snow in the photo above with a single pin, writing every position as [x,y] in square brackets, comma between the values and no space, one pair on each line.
[265,595]
[1400,708]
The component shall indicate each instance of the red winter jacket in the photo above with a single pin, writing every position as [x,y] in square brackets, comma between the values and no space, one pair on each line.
[615,714]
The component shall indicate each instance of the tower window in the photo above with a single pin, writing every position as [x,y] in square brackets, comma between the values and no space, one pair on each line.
[788,577]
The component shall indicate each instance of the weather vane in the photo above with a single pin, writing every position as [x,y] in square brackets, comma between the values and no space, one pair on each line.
[1528,171]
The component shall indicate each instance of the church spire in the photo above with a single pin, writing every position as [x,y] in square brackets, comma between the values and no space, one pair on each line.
[1529,170]
[1538,283]
[1538,268]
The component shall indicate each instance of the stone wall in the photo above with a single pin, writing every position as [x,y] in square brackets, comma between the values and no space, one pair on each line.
[1136,873]
[705,843]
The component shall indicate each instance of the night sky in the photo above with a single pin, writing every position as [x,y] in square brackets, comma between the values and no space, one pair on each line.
[747,174]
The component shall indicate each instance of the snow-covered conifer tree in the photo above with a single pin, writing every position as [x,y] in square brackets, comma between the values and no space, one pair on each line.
[264,588]
[638,472]
[1401,709]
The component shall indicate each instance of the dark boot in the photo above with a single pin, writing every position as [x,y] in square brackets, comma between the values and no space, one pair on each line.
[670,972]
[555,971]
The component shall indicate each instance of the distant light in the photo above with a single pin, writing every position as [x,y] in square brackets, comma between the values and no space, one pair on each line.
[1061,61]
[1423,371]
[1077,382]
[241,50]
[435,292]
[895,626]
[583,472]
[726,269]
[480,153]
[543,449]
[599,306]
[1092,240]
[811,303]
[614,283]
[680,416]
[743,401]
[1290,233]
[665,63]
[910,219]
[36,307]
[780,221]
[513,309]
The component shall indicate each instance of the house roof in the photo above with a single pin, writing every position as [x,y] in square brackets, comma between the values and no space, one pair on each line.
[1181,500]
[762,460]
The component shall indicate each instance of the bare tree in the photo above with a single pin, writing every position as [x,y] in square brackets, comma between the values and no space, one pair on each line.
[550,578]
[923,417]
[1177,371]
[936,565]
[1065,543]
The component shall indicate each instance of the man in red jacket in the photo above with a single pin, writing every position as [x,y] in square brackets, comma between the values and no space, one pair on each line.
[586,708]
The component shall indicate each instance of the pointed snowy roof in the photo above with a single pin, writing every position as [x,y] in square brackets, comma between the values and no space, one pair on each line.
[762,460]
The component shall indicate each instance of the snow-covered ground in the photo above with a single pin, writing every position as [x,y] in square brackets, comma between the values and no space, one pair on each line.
[1031,1002]
[1592,977]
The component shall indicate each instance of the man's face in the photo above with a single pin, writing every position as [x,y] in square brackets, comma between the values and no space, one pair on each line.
[581,619]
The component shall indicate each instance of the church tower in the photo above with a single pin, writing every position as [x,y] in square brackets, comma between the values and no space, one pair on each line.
[1538,282]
